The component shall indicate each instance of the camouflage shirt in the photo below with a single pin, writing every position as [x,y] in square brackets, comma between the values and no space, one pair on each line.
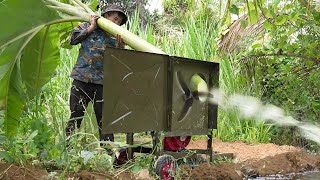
[89,65]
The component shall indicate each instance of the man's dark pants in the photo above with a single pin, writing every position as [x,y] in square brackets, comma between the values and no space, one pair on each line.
[81,94]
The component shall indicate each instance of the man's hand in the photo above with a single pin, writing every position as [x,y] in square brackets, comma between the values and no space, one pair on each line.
[120,43]
[93,23]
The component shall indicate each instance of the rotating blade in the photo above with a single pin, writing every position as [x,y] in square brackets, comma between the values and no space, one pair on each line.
[197,94]
[183,84]
[185,110]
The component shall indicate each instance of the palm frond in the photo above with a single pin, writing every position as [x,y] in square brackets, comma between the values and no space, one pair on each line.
[234,38]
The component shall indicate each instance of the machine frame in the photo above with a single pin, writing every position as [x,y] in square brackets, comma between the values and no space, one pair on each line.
[119,61]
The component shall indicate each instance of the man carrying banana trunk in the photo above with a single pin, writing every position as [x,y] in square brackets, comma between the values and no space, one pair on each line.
[88,71]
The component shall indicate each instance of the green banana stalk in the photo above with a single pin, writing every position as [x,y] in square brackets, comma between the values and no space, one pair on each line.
[83,12]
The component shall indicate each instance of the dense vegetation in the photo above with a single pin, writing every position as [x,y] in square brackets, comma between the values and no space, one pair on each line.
[267,49]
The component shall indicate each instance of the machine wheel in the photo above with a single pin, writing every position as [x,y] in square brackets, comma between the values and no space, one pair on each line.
[176,143]
[166,167]
[122,157]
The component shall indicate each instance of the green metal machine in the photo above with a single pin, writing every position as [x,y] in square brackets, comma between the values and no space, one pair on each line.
[145,92]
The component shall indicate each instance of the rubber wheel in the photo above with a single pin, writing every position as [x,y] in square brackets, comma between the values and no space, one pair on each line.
[166,167]
[176,143]
[122,158]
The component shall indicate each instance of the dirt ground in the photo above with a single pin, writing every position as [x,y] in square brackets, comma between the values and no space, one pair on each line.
[251,161]
[243,151]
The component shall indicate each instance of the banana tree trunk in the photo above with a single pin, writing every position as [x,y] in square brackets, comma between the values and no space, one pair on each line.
[83,12]
[129,38]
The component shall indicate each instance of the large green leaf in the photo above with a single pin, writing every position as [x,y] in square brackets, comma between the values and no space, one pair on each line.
[6,65]
[65,30]
[35,68]
[15,102]
[20,17]
[40,59]
[8,58]
[22,21]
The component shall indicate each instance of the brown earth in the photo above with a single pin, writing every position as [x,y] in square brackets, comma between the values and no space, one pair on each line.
[243,151]
[282,164]
[252,160]
[13,172]
[16,172]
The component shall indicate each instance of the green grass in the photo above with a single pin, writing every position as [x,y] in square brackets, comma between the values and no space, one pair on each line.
[231,126]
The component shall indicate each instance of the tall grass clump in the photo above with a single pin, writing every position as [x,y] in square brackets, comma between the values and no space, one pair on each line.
[231,125]
[194,39]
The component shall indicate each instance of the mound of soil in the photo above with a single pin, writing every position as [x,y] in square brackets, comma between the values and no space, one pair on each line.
[8,171]
[212,171]
[13,172]
[252,161]
[291,162]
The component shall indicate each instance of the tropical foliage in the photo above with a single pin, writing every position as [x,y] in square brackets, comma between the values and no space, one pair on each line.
[267,49]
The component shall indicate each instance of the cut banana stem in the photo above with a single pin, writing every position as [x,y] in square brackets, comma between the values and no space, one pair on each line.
[197,84]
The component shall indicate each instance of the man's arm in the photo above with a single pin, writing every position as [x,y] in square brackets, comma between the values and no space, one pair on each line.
[83,30]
